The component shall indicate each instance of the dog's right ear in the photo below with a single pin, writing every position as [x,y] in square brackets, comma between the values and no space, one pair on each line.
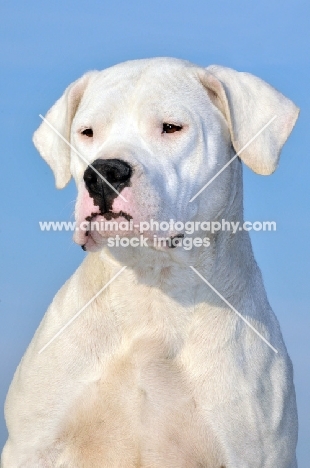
[52,148]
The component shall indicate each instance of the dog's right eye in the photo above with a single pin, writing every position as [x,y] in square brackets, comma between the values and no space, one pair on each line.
[88,132]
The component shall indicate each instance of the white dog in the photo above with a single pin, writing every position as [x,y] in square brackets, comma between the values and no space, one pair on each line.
[155,368]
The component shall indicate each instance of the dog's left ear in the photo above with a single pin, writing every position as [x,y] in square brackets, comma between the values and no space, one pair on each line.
[50,145]
[248,104]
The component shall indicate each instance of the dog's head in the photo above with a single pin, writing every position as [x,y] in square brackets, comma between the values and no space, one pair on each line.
[143,137]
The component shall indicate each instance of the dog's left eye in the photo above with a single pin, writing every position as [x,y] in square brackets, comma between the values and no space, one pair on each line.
[171,128]
[88,132]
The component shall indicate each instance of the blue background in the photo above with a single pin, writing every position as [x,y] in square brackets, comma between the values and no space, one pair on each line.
[46,45]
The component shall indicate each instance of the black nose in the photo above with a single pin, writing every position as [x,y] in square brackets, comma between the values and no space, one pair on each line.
[114,171]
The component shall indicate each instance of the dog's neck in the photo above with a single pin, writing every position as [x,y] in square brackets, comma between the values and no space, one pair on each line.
[229,256]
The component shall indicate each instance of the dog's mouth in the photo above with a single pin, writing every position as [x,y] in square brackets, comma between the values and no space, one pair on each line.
[93,237]
[121,226]
[108,215]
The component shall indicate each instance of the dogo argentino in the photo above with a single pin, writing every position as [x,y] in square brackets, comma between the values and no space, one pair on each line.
[158,370]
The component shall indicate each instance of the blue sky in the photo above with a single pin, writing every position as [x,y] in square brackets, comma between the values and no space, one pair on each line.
[46,45]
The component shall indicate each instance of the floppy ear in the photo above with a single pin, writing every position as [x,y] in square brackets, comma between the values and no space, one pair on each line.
[52,148]
[248,104]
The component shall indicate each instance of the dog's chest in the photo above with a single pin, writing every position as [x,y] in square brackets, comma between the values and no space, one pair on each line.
[141,411]
[142,408]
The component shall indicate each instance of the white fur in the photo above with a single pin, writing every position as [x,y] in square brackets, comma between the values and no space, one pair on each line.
[158,372]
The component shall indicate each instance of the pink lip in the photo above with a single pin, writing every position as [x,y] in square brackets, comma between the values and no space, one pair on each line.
[86,238]
[87,211]
[89,244]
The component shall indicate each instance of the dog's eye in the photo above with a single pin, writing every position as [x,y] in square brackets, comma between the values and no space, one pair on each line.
[87,132]
[171,128]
